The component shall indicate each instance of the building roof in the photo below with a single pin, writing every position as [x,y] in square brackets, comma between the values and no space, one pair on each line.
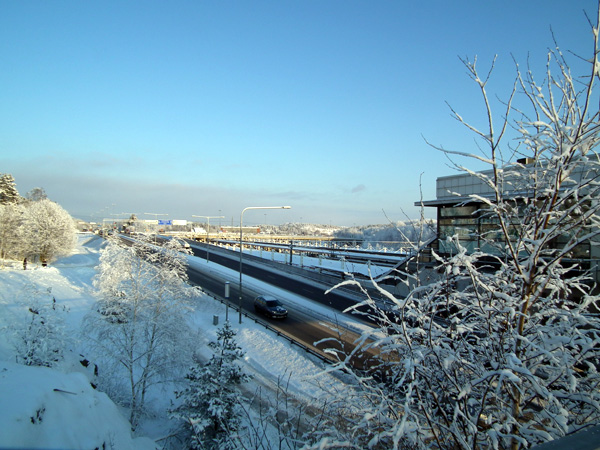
[464,188]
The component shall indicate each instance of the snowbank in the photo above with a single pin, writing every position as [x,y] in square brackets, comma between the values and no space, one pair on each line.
[44,408]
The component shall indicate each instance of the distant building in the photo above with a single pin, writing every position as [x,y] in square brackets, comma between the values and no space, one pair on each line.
[461,211]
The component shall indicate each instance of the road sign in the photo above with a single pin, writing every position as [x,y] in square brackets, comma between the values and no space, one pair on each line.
[164,222]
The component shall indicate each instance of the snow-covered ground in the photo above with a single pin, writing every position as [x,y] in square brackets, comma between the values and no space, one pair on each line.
[58,408]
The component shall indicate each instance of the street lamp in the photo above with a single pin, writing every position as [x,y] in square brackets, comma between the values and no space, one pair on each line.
[208,229]
[241,250]
[226,301]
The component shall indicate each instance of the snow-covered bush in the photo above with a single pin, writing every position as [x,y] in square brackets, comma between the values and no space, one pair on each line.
[503,350]
[40,339]
[138,327]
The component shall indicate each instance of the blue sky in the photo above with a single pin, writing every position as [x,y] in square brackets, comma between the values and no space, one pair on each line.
[206,107]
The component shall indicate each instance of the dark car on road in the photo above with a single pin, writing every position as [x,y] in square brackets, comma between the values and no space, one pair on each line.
[270,307]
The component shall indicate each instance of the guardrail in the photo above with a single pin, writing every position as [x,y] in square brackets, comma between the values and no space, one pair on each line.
[323,357]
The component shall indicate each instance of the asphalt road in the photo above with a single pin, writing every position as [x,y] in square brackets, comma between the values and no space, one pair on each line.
[299,325]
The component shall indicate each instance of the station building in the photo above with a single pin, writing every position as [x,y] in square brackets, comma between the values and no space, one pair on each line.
[462,211]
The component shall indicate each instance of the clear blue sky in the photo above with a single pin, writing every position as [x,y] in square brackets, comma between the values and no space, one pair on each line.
[206,107]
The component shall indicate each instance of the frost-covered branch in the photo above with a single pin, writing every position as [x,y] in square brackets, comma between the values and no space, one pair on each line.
[500,348]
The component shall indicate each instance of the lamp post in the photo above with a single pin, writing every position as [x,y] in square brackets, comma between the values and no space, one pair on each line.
[208,229]
[241,249]
[226,301]
[156,218]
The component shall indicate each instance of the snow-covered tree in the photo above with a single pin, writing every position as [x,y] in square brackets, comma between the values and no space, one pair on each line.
[36,194]
[34,229]
[40,339]
[39,230]
[503,350]
[11,239]
[210,404]
[391,236]
[8,189]
[48,230]
[138,327]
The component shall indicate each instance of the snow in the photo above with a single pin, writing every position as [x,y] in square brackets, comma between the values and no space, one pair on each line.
[57,407]
[44,408]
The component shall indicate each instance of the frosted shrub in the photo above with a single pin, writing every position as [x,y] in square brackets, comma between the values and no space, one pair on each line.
[39,340]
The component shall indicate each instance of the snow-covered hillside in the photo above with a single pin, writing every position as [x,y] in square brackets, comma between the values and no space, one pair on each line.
[57,407]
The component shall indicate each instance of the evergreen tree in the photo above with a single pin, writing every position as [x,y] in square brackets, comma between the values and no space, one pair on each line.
[8,189]
[210,404]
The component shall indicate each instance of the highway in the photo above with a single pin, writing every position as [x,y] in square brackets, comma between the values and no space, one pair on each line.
[300,325]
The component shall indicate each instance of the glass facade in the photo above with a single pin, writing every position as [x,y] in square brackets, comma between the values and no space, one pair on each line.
[461,221]
[461,214]
[479,230]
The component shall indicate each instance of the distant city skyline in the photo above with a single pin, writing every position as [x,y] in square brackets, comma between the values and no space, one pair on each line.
[204,108]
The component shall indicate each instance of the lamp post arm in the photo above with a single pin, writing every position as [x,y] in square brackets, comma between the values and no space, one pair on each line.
[241,251]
